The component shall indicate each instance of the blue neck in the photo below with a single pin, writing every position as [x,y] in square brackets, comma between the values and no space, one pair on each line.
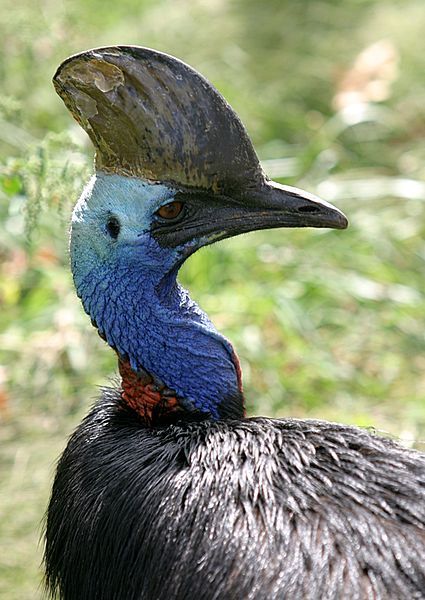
[151,320]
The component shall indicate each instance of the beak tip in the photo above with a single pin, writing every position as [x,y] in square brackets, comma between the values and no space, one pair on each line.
[342,221]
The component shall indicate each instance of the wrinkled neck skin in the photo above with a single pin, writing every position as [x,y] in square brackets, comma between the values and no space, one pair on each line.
[169,351]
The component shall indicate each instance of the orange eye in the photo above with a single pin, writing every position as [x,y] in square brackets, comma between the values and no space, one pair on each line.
[170,211]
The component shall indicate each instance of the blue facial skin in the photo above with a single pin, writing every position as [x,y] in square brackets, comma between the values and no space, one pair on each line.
[128,286]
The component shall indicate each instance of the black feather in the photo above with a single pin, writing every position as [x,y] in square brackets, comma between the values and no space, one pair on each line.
[234,509]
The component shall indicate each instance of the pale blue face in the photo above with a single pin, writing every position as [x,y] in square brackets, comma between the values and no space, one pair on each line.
[111,223]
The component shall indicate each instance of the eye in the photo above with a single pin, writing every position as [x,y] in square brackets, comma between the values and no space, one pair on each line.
[170,211]
[113,227]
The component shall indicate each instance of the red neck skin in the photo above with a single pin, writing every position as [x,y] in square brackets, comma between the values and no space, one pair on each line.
[151,399]
[238,372]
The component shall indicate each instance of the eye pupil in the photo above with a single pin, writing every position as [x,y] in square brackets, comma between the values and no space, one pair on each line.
[113,227]
[171,210]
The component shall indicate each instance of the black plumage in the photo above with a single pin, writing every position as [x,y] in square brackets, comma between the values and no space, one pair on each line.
[251,509]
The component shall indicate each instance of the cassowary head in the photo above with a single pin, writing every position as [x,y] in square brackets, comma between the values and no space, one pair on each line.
[175,171]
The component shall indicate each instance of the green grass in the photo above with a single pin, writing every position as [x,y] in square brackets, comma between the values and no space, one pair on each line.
[327,324]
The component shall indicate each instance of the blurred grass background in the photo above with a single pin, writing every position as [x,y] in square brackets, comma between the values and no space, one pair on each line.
[327,324]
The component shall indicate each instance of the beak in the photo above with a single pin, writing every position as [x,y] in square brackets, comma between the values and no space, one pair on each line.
[213,218]
[274,205]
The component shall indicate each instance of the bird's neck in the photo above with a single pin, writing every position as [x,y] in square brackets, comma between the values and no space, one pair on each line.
[171,357]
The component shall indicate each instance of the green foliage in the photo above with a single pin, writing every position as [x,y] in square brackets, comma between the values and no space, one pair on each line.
[327,324]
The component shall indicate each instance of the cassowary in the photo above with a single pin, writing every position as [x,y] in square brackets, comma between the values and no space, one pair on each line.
[166,490]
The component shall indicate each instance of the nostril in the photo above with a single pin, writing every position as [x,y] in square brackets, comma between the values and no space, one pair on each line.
[308,208]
